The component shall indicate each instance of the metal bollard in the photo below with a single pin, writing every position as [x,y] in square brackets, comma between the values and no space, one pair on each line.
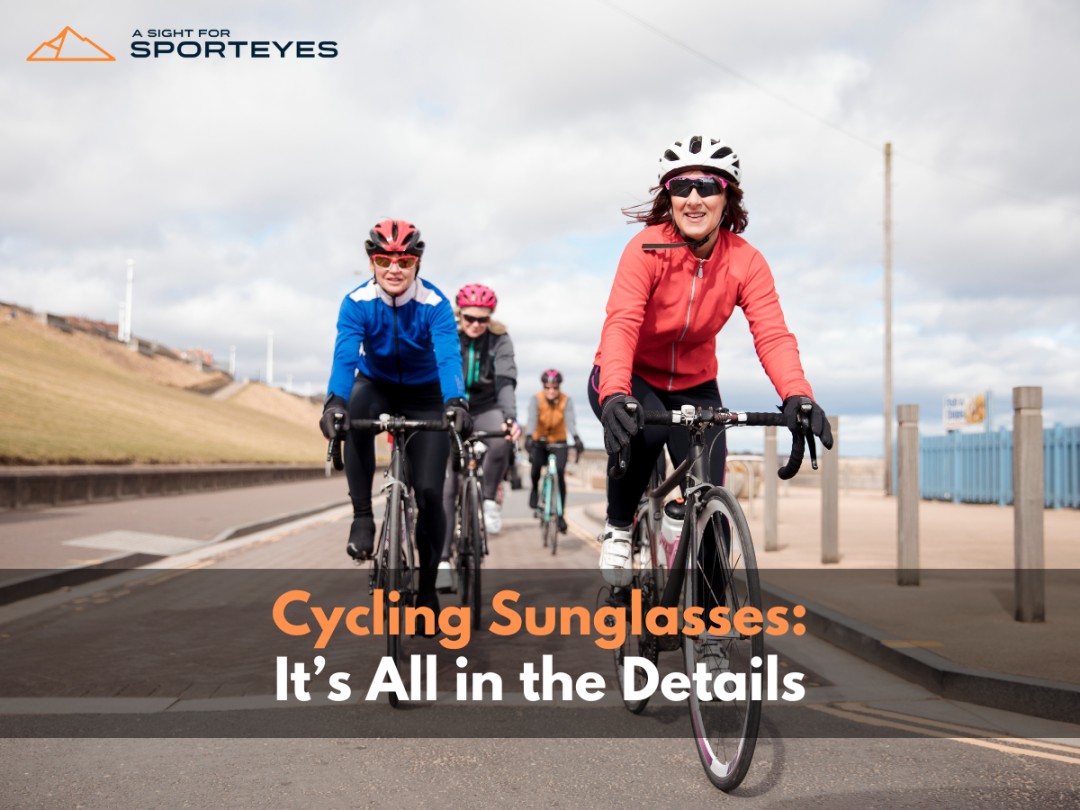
[907,495]
[1028,494]
[771,465]
[830,498]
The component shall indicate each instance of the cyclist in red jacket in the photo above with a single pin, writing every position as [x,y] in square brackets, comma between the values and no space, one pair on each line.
[677,283]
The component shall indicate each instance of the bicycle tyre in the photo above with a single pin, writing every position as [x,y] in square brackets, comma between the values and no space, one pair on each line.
[545,507]
[725,731]
[465,519]
[399,573]
[551,533]
[476,549]
[644,645]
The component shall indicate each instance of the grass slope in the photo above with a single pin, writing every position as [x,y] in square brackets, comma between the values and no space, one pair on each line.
[77,399]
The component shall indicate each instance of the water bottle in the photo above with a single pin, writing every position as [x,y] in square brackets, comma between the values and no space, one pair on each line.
[670,531]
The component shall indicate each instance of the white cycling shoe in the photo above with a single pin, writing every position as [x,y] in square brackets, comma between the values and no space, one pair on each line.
[615,556]
[444,578]
[492,517]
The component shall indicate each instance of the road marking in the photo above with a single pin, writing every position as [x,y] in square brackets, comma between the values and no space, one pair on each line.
[124,540]
[1005,745]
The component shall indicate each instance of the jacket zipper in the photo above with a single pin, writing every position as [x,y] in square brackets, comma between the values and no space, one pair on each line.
[686,326]
[397,346]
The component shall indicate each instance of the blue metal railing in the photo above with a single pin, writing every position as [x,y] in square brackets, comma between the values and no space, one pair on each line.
[977,467]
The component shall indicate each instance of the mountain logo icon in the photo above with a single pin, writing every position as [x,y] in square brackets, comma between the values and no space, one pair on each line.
[70,46]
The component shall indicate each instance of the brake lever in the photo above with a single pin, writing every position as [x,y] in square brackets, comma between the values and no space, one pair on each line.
[804,422]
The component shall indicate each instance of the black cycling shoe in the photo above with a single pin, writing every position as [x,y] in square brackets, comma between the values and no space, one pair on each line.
[562,525]
[361,538]
[534,498]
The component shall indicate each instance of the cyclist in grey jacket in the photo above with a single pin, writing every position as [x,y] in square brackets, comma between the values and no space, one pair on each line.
[490,374]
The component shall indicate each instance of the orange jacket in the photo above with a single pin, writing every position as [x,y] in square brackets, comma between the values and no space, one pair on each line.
[667,306]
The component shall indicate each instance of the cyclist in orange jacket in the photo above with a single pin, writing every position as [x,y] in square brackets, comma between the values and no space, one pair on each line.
[678,281]
[551,419]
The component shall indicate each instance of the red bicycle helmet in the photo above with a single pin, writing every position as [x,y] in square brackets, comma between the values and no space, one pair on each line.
[394,236]
[551,376]
[476,295]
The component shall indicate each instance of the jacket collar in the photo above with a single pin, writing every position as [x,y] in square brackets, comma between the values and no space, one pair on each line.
[400,300]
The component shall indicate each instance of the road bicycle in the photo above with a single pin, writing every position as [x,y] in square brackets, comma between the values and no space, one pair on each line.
[709,562]
[470,533]
[394,570]
[549,506]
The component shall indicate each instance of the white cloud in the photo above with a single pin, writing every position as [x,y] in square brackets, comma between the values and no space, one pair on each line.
[513,135]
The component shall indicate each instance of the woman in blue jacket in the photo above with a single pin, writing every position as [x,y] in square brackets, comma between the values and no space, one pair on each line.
[396,352]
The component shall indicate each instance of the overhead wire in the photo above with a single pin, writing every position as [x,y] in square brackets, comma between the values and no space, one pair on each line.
[877,147]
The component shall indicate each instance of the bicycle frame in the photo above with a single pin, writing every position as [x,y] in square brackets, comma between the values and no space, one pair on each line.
[551,487]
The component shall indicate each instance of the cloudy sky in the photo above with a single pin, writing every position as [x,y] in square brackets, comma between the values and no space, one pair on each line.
[513,133]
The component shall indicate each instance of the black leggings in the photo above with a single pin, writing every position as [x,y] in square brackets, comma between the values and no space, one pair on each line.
[426,452]
[539,461]
[624,493]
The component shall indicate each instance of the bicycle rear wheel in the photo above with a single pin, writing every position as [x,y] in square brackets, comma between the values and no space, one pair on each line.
[722,572]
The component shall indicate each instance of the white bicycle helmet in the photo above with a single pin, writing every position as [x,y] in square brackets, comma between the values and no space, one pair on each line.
[699,150]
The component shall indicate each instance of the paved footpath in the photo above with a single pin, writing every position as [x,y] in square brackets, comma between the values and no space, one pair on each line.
[963,608]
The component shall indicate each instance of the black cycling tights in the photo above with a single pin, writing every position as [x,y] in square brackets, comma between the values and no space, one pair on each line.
[623,494]
[539,461]
[426,453]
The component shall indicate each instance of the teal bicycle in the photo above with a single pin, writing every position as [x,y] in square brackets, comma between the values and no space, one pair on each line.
[549,506]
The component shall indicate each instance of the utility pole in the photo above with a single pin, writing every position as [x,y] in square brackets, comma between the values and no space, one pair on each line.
[888,320]
[270,358]
[129,299]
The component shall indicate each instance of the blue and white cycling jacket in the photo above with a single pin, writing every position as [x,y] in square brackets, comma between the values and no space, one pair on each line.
[411,339]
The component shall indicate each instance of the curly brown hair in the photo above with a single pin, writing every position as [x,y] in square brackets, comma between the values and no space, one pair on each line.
[658,210]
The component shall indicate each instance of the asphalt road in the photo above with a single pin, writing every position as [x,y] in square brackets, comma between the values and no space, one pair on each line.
[861,738]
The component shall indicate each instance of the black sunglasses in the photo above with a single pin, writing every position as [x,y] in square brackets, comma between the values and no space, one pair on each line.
[475,319]
[706,186]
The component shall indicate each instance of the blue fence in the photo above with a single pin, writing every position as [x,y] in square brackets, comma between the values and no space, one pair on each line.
[977,467]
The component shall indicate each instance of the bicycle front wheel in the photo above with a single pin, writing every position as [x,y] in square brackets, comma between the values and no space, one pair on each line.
[722,572]
[476,549]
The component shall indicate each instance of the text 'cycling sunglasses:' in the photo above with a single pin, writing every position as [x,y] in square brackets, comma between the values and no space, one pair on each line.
[476,318]
[404,262]
[706,186]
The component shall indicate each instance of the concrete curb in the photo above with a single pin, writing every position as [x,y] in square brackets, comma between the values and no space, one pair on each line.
[41,582]
[1051,700]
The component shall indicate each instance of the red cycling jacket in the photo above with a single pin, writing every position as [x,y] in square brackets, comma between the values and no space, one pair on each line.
[667,306]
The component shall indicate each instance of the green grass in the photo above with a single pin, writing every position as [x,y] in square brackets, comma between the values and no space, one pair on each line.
[63,402]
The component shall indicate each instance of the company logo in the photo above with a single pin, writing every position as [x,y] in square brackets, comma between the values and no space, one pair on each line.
[70,46]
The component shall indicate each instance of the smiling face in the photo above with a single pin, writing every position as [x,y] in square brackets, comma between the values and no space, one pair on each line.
[475,320]
[394,279]
[696,216]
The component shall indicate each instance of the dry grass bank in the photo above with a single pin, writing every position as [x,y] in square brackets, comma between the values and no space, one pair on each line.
[78,399]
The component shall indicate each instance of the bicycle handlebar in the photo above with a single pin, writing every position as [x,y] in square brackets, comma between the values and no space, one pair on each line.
[691,416]
[385,423]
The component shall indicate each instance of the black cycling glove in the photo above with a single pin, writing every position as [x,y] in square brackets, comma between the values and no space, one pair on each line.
[530,443]
[622,417]
[458,410]
[795,417]
[335,417]
[579,448]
